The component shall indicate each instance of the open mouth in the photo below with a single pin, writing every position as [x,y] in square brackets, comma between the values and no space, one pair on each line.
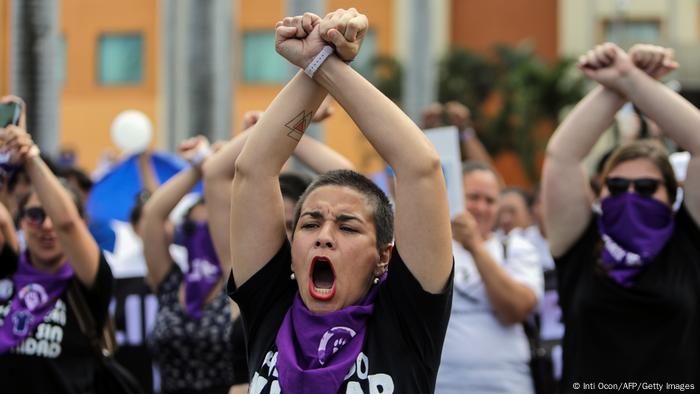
[321,279]
[47,241]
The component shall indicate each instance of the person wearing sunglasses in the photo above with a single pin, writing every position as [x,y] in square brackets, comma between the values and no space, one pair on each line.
[629,266]
[42,348]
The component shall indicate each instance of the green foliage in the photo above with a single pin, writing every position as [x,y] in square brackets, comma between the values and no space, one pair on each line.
[528,89]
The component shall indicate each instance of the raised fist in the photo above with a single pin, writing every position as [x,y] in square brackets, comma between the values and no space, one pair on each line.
[345,29]
[297,39]
[654,60]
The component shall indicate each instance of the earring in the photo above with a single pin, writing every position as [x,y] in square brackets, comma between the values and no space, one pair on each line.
[376,280]
[292,276]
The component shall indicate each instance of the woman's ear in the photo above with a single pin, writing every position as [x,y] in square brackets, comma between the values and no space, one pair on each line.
[384,257]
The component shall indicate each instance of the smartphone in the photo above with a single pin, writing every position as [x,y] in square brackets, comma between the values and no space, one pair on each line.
[9,114]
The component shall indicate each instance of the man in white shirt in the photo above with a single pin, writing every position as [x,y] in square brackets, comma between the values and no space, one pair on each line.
[497,285]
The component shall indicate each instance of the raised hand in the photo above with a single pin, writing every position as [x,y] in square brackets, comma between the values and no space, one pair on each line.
[297,39]
[465,230]
[18,143]
[23,106]
[195,149]
[458,114]
[606,64]
[250,118]
[656,61]
[345,29]
[432,115]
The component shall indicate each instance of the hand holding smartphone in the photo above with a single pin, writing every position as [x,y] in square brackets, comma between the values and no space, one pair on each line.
[10,114]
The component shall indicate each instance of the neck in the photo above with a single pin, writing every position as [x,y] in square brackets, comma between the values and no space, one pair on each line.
[49,266]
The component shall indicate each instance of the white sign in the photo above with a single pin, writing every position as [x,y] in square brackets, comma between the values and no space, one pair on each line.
[446,142]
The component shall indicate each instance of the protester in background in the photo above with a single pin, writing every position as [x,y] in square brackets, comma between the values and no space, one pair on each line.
[454,113]
[42,348]
[629,267]
[498,283]
[321,314]
[191,339]
[513,210]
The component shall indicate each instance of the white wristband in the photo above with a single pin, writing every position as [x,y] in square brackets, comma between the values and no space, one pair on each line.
[202,153]
[310,70]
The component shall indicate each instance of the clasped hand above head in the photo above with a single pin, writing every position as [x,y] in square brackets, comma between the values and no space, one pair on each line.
[610,66]
[300,38]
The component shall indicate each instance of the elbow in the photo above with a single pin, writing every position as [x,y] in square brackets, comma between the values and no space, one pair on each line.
[151,213]
[422,167]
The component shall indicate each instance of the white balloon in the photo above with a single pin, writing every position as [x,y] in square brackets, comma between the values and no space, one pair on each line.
[132,131]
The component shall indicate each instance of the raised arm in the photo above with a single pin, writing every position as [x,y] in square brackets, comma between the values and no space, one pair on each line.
[678,118]
[8,235]
[79,247]
[422,219]
[567,197]
[257,210]
[320,157]
[218,174]
[156,241]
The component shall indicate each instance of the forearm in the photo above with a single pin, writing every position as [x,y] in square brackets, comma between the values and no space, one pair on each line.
[280,128]
[150,182]
[678,118]
[320,157]
[166,197]
[512,301]
[56,200]
[217,194]
[473,149]
[8,236]
[393,134]
[577,134]
[221,165]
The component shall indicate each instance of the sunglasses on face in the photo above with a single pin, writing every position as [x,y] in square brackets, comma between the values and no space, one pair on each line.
[645,187]
[35,216]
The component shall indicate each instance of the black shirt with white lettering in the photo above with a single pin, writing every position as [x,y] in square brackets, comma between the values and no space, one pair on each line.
[647,333]
[56,357]
[404,336]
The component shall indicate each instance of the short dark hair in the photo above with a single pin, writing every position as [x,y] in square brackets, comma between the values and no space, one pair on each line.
[383,214]
[528,198]
[81,178]
[293,185]
[470,166]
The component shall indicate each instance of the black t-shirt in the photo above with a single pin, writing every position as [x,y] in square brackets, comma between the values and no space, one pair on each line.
[404,336]
[647,333]
[56,357]
[134,311]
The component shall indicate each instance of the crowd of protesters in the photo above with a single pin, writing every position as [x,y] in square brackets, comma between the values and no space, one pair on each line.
[273,281]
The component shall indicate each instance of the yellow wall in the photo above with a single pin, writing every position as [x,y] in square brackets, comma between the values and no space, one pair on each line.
[340,132]
[87,109]
[4,47]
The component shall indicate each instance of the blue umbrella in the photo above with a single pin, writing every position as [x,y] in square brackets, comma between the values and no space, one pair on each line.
[114,195]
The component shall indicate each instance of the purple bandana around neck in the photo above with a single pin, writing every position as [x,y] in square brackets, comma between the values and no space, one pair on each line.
[634,230]
[316,351]
[36,293]
[204,271]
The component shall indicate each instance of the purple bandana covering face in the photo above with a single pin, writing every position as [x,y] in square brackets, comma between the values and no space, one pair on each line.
[36,293]
[316,351]
[634,230]
[204,270]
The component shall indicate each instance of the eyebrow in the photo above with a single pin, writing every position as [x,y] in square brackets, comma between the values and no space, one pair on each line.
[340,218]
